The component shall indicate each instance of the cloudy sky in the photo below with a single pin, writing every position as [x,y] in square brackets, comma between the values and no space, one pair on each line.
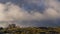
[30,13]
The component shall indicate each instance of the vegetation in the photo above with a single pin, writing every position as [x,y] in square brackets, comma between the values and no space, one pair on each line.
[13,29]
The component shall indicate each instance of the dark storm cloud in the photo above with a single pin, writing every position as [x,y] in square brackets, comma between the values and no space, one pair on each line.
[28,5]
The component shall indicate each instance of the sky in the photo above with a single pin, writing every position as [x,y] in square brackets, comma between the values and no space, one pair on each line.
[30,13]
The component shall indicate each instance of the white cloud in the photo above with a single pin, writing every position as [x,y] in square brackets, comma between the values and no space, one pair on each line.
[12,12]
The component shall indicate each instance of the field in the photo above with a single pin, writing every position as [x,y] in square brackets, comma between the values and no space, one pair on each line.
[13,29]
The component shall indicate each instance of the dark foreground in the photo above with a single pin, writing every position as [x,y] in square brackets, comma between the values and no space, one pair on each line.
[13,29]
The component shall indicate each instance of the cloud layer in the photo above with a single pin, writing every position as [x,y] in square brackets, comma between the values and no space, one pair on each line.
[12,13]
